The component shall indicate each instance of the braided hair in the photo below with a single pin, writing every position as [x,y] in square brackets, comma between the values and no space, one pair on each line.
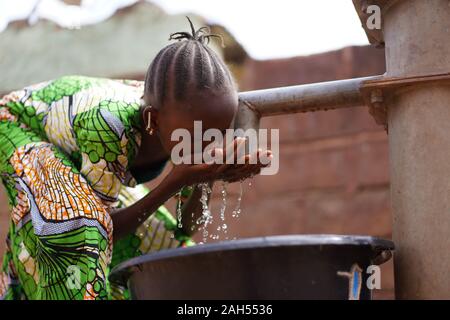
[188,64]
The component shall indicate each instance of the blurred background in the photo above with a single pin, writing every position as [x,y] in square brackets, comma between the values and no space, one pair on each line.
[333,175]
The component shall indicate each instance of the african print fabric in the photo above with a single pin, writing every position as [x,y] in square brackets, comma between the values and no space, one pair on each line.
[65,150]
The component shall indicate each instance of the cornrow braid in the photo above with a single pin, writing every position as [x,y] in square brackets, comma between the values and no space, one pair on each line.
[188,64]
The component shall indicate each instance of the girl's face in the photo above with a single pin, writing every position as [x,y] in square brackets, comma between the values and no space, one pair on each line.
[212,110]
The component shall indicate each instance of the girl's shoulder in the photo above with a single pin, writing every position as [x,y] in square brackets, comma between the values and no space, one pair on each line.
[88,90]
[70,85]
[116,102]
[82,98]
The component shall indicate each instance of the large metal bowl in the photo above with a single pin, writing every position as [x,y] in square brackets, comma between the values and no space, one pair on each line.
[278,267]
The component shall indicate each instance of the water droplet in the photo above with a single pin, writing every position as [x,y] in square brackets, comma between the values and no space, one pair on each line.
[206,213]
[237,209]
[179,213]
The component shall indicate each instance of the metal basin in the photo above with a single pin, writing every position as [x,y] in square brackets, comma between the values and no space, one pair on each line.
[278,267]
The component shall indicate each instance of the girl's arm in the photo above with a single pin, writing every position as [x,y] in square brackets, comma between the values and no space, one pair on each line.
[126,220]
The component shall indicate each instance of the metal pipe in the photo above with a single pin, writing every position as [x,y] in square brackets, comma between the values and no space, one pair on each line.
[306,97]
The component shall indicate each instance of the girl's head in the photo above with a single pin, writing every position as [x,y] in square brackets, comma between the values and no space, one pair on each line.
[187,82]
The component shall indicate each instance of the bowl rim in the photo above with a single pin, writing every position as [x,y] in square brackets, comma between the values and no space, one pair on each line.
[378,245]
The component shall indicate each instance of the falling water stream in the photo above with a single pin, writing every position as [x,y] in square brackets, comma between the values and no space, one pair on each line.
[237,209]
[222,225]
[207,218]
[179,213]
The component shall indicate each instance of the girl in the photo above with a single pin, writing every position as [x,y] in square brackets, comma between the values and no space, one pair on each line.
[73,153]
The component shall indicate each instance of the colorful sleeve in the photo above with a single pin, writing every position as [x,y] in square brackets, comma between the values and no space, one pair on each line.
[106,140]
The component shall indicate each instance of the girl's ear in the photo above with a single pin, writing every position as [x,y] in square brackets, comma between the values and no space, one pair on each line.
[150,114]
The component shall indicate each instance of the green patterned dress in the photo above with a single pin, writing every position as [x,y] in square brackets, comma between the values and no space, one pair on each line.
[65,150]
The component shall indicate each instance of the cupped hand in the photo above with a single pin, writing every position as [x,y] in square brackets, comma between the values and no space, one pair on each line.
[241,167]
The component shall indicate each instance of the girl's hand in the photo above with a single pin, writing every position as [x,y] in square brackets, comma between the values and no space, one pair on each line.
[245,167]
